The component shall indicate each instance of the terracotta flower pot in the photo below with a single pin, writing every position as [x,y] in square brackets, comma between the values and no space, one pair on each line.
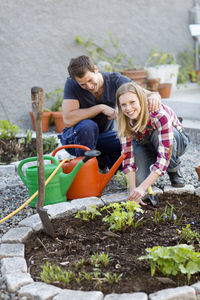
[194,76]
[45,120]
[137,75]
[153,84]
[197,168]
[164,89]
[58,120]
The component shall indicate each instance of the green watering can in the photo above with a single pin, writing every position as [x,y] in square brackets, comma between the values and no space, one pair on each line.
[55,191]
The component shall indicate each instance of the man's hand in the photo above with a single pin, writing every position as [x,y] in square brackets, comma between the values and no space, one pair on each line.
[110,112]
[154,101]
[136,195]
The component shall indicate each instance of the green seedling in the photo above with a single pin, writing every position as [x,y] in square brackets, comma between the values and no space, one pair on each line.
[49,143]
[28,136]
[180,259]
[122,215]
[87,276]
[90,214]
[53,273]
[112,278]
[7,130]
[188,235]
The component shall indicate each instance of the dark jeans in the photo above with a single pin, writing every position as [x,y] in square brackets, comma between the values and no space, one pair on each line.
[87,133]
[146,155]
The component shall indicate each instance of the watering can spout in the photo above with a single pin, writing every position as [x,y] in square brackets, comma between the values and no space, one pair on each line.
[105,178]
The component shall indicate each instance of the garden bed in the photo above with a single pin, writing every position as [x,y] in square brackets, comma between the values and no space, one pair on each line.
[16,149]
[76,241]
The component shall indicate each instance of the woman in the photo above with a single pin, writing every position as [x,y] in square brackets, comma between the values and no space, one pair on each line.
[153,141]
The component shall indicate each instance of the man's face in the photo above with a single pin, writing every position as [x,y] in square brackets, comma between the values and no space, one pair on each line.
[90,81]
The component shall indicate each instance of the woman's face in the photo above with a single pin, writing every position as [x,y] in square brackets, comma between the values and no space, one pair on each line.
[130,105]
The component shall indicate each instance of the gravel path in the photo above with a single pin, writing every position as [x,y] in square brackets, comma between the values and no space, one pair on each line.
[13,193]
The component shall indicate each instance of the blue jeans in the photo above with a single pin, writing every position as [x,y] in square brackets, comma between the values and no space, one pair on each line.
[86,133]
[146,155]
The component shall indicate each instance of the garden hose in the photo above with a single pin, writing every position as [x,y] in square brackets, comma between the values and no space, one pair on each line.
[36,193]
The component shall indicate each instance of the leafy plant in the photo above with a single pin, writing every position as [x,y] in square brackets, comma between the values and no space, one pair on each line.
[121,179]
[57,96]
[122,215]
[188,235]
[168,214]
[112,278]
[109,52]
[53,273]
[89,214]
[49,143]
[180,259]
[97,258]
[160,58]
[7,130]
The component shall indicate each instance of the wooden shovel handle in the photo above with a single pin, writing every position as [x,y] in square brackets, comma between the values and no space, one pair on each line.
[37,97]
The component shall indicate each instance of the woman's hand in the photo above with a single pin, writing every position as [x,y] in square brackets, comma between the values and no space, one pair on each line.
[136,195]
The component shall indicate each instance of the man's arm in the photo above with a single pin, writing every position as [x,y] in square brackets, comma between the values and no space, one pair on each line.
[72,113]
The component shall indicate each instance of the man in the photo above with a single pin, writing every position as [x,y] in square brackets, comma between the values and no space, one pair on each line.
[89,109]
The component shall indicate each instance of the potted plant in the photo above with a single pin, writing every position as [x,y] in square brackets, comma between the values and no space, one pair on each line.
[187,70]
[113,60]
[56,108]
[162,65]
[46,115]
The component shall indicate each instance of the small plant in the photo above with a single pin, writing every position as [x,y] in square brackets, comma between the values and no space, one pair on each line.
[7,130]
[112,278]
[109,53]
[57,96]
[121,179]
[160,58]
[49,143]
[122,215]
[28,136]
[180,259]
[52,273]
[188,235]
[90,214]
[97,258]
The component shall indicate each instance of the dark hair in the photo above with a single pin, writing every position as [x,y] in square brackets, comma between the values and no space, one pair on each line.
[79,66]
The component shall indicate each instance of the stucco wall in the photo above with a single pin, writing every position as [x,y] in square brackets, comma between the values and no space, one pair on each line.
[37,40]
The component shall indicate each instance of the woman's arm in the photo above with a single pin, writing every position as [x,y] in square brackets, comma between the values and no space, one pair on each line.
[136,193]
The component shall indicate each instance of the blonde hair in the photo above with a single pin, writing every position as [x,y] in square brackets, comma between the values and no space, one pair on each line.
[123,122]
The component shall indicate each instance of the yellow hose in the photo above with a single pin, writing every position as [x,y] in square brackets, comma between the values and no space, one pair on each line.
[35,194]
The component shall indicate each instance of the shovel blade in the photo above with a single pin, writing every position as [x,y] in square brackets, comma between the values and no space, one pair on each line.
[48,227]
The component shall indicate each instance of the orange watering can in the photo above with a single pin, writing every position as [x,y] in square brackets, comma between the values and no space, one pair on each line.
[88,181]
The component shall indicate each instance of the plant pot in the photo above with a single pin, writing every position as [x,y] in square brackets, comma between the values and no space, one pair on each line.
[164,89]
[153,84]
[137,75]
[45,120]
[194,76]
[58,120]
[197,168]
[166,73]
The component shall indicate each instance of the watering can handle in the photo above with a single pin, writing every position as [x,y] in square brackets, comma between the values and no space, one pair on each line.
[70,146]
[29,159]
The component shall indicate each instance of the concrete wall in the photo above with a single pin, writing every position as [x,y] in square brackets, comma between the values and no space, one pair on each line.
[37,40]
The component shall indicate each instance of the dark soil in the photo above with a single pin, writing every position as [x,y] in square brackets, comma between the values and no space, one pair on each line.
[16,149]
[77,240]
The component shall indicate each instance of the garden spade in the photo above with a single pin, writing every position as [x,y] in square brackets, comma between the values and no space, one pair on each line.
[152,197]
[37,97]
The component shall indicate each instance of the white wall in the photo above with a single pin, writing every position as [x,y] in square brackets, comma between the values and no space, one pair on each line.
[37,40]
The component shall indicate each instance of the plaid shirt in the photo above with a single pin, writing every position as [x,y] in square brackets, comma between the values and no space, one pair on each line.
[162,120]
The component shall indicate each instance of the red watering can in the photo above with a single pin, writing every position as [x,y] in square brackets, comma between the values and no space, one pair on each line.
[88,181]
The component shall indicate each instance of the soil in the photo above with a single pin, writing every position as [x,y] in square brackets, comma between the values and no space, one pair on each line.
[16,149]
[75,240]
